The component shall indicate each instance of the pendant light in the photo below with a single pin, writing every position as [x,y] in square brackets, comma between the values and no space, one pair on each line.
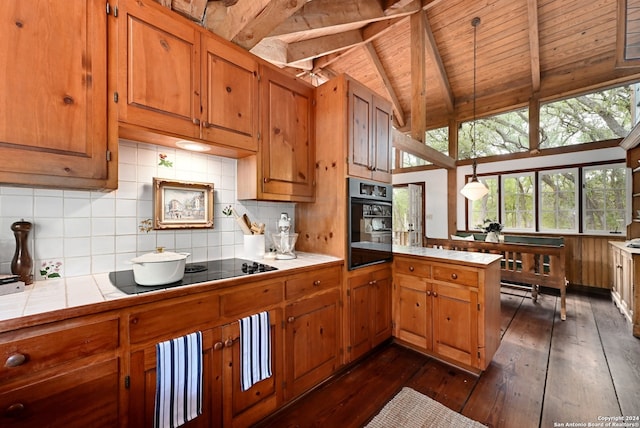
[474,189]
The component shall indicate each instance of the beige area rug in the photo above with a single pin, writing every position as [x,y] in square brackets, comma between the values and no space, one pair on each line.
[410,409]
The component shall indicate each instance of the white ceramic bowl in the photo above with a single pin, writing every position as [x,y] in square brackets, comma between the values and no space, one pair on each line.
[159,268]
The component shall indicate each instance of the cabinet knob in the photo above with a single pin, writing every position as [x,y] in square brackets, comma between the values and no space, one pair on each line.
[196,121]
[14,410]
[374,282]
[435,294]
[428,292]
[207,125]
[411,268]
[218,346]
[15,360]
[316,283]
[228,343]
[454,276]
[291,319]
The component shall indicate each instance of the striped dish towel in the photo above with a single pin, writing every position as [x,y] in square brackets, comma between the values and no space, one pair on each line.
[255,349]
[178,380]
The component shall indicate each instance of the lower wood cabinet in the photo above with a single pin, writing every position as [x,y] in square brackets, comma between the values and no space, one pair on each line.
[625,265]
[451,311]
[370,322]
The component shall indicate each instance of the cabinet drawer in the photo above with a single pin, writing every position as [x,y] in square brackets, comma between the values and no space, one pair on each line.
[308,283]
[251,299]
[412,267]
[37,348]
[86,397]
[456,275]
[177,317]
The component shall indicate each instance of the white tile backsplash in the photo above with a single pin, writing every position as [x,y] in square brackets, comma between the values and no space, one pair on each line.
[97,232]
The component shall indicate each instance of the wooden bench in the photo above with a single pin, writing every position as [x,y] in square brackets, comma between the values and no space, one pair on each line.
[530,264]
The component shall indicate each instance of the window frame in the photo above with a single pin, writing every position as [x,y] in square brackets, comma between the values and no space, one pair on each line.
[626,218]
[577,196]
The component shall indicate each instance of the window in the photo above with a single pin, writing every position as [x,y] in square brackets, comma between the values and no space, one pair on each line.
[487,207]
[598,116]
[518,204]
[437,139]
[604,203]
[501,134]
[558,200]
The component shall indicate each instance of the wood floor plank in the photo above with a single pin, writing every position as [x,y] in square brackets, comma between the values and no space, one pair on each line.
[510,392]
[355,396]
[510,301]
[622,350]
[446,384]
[579,387]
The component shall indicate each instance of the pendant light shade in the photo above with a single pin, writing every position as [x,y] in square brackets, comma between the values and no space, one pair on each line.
[474,189]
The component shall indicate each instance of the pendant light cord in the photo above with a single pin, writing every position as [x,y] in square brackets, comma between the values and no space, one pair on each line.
[474,22]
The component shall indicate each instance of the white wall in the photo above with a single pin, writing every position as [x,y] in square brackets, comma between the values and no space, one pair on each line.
[94,232]
[436,182]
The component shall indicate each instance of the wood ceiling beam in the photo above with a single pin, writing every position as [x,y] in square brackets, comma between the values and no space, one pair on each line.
[436,59]
[534,44]
[418,76]
[227,22]
[312,48]
[382,73]
[407,144]
[275,12]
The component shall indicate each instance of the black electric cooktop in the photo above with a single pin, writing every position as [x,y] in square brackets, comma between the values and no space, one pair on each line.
[193,274]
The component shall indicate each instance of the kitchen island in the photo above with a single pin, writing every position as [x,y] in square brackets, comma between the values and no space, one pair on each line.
[447,304]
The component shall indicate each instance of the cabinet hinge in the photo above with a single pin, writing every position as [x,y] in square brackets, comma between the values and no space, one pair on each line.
[478,354]
[115,97]
[258,136]
[348,292]
[259,76]
[108,155]
[478,306]
[127,382]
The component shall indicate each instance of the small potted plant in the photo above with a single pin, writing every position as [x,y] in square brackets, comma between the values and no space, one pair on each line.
[493,229]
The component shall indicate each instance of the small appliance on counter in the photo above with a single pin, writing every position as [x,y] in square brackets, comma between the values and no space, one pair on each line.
[283,240]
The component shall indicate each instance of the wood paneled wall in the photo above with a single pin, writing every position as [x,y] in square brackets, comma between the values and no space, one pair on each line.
[588,260]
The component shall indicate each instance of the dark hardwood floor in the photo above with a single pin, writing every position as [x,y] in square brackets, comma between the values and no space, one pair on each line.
[547,372]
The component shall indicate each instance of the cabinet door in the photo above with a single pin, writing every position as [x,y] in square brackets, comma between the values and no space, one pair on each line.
[413,311]
[312,341]
[360,310]
[229,95]
[381,145]
[381,306]
[143,384]
[243,408]
[86,397]
[455,323]
[158,69]
[288,150]
[53,92]
[360,127]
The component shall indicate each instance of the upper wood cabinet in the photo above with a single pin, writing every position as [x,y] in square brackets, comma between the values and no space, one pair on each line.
[369,134]
[178,80]
[158,70]
[284,168]
[53,95]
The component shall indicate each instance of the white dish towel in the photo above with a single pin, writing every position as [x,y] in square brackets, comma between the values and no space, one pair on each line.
[255,349]
[178,380]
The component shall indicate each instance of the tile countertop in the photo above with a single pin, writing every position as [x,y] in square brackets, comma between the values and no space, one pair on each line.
[55,294]
[469,257]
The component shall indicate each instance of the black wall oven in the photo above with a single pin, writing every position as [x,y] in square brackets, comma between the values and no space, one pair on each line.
[370,214]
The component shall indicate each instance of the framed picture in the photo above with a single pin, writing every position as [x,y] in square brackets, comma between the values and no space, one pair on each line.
[182,204]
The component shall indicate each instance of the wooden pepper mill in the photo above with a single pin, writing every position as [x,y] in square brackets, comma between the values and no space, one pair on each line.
[22,263]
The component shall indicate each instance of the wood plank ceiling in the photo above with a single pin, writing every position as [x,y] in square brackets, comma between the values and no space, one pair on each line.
[526,49]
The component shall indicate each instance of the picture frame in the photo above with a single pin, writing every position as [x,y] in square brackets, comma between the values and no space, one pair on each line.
[182,204]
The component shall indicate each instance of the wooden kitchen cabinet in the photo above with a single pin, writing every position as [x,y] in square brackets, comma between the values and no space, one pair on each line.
[61,374]
[369,134]
[369,300]
[625,265]
[284,167]
[178,80]
[449,310]
[54,95]
[312,330]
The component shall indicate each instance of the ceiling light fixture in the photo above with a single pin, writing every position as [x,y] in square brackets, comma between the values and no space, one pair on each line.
[474,189]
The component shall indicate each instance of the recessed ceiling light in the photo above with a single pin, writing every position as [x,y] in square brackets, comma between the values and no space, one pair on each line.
[192,146]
